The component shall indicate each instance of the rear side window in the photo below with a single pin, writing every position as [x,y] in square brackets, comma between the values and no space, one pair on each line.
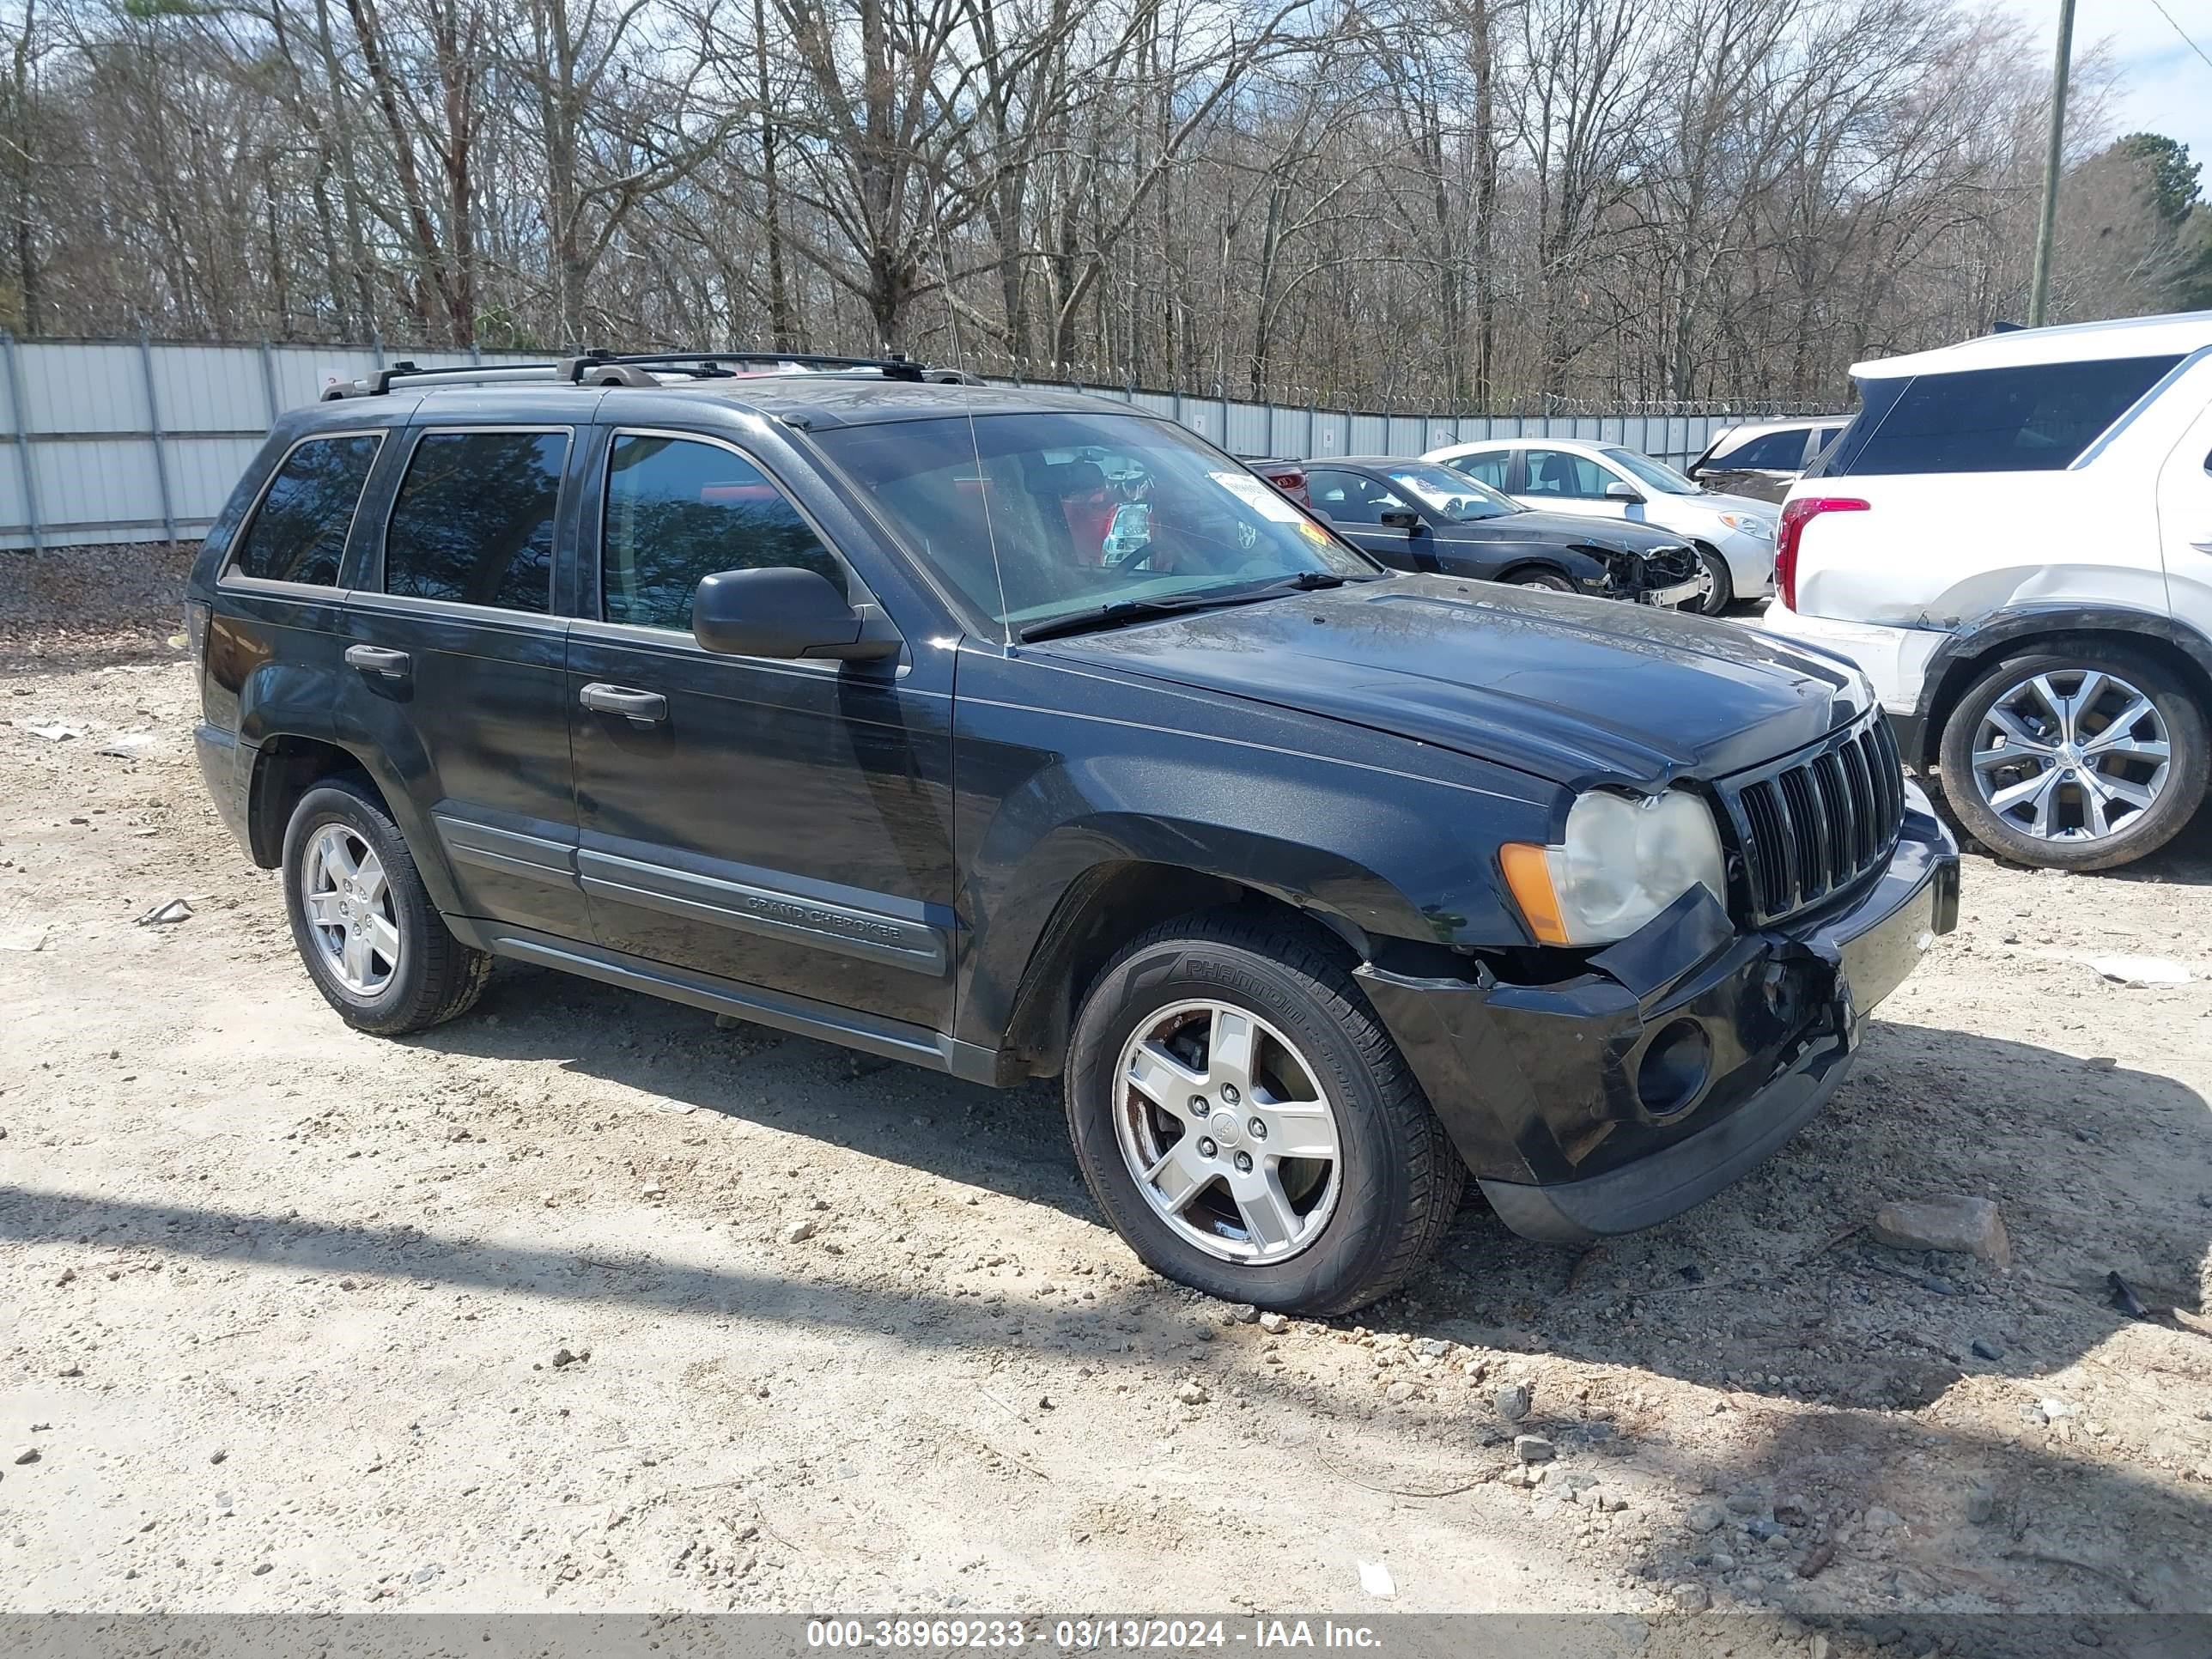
[474,521]
[299,532]
[2037,418]
[679,511]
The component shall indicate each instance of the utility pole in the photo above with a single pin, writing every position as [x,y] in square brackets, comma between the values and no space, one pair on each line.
[2046,231]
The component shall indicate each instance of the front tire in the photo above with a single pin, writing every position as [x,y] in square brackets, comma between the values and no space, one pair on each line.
[1248,1125]
[1720,591]
[373,942]
[2075,758]
[1550,581]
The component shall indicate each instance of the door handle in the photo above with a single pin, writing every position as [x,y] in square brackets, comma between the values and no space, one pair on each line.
[2203,544]
[639,707]
[375,659]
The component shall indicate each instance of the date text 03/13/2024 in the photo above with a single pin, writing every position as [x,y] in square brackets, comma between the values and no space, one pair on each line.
[1086,1635]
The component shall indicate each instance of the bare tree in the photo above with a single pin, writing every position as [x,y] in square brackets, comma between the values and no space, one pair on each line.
[1406,203]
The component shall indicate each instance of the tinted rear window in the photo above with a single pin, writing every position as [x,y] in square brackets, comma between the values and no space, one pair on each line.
[2033,419]
[474,521]
[299,532]
[1770,452]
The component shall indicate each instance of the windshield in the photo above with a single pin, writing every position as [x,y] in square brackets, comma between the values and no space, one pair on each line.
[1657,474]
[1454,496]
[1083,510]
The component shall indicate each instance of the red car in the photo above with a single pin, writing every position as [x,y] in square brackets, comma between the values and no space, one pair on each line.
[1289,477]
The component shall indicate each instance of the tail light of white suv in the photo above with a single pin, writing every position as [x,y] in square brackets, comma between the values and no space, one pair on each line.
[1796,516]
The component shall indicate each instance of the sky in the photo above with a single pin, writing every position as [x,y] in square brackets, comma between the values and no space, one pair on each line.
[2164,86]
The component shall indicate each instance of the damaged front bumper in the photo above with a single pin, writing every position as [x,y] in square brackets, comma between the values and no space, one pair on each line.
[1679,1060]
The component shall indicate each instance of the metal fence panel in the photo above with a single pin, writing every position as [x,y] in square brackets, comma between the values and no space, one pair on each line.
[209,389]
[122,441]
[83,388]
[302,372]
[99,480]
[1247,430]
[13,511]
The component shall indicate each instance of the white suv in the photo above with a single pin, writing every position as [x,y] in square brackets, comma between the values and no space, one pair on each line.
[1734,536]
[2014,539]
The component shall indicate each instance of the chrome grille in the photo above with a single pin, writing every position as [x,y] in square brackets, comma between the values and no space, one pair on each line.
[1819,821]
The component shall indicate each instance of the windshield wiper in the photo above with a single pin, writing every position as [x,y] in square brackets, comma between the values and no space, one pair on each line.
[1128,611]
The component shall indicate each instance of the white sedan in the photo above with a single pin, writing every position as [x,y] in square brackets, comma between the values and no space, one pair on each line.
[1733,535]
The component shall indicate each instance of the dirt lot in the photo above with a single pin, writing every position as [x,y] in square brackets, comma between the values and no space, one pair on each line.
[499,1317]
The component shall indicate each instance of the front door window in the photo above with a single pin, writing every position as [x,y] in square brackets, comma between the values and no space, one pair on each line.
[1560,475]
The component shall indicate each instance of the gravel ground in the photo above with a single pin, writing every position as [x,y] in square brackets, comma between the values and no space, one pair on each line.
[504,1316]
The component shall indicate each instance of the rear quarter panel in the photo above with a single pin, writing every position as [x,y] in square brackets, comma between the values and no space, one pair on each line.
[1940,549]
[1944,550]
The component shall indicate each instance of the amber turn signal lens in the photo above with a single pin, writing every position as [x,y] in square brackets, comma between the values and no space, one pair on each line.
[1528,878]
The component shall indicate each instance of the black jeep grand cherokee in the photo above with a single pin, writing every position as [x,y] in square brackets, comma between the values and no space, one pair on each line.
[1018,734]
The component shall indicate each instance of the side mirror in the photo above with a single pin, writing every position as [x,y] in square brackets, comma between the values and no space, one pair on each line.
[1620,491]
[1321,514]
[1398,518]
[786,612]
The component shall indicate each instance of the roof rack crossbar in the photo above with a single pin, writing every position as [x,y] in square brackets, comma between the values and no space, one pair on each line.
[705,363]
[376,385]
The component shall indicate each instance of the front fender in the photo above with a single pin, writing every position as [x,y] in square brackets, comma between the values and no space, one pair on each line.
[1375,852]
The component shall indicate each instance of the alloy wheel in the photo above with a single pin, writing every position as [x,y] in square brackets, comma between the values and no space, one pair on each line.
[2071,755]
[1227,1132]
[352,914]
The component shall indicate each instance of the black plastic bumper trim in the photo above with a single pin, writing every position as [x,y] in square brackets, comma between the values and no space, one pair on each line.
[1653,1189]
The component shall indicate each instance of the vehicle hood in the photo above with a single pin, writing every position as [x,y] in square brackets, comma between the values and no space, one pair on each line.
[1562,530]
[1573,690]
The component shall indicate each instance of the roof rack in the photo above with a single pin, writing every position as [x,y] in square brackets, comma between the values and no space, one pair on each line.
[376,385]
[605,368]
[629,368]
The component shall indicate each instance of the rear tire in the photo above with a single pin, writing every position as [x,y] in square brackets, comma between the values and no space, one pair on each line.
[2080,760]
[1282,1234]
[372,940]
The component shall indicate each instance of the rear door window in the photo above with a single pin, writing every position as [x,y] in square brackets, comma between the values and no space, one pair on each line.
[299,532]
[474,521]
[678,511]
[2035,418]
[1489,468]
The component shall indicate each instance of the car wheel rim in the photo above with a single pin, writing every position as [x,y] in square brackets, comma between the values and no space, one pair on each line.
[1227,1133]
[2075,755]
[353,919]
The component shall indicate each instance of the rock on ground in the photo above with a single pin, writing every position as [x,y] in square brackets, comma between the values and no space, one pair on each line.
[1968,1225]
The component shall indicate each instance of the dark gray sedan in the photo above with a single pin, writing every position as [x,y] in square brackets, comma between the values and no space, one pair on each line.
[1416,515]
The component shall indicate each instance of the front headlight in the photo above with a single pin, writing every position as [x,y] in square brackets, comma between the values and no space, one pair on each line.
[1623,861]
[1747,525]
